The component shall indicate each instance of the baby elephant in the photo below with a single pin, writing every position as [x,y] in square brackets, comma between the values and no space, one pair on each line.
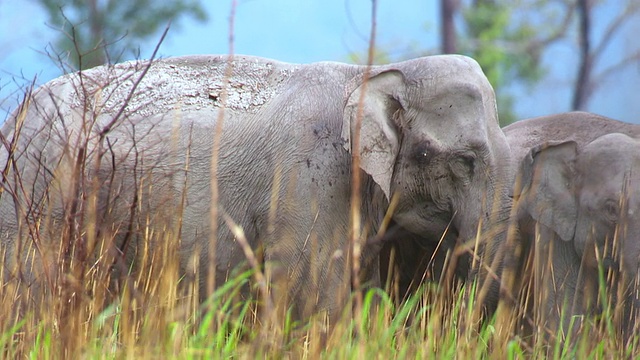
[577,208]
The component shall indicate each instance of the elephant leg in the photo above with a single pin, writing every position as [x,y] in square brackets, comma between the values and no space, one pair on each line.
[306,262]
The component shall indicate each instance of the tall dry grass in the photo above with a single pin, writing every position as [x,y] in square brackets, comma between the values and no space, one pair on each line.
[157,313]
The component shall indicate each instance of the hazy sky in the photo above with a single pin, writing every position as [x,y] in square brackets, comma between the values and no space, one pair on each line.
[312,30]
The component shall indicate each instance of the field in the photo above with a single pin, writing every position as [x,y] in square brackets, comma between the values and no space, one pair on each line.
[75,295]
[159,321]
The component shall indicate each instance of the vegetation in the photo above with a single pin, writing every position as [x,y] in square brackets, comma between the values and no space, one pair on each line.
[94,308]
[505,50]
[164,320]
[97,32]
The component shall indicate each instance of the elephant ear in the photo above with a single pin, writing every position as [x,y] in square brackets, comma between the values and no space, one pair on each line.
[375,103]
[546,188]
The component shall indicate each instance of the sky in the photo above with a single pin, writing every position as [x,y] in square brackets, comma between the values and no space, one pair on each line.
[305,31]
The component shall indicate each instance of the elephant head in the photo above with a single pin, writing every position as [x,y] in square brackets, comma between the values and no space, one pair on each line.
[584,203]
[429,135]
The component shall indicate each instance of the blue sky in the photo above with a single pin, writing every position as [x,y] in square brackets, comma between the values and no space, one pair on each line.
[310,30]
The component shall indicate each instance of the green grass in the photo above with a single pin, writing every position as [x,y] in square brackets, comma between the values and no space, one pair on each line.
[426,326]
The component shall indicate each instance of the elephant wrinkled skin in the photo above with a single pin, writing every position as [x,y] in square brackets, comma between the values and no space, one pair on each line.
[576,189]
[139,136]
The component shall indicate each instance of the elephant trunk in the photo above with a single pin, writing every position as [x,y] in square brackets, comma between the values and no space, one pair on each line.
[482,244]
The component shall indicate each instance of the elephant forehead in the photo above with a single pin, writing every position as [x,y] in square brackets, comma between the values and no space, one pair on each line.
[611,179]
[434,76]
[609,176]
[616,156]
[446,69]
[450,117]
[614,145]
[458,97]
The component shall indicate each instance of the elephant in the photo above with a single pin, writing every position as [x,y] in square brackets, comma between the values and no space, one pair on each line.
[575,214]
[201,146]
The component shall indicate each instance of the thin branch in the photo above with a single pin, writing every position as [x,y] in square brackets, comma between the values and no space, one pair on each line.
[252,259]
[633,58]
[215,154]
[613,27]
[105,130]
[562,30]
[356,226]
[352,22]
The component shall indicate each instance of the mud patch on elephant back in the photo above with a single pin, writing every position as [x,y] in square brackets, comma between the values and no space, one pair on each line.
[186,83]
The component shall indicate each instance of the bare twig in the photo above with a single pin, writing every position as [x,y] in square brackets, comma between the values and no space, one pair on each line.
[261,280]
[356,236]
[629,60]
[105,130]
[613,28]
[562,29]
[215,154]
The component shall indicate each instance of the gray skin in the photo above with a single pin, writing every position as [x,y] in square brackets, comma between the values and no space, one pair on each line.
[429,136]
[574,169]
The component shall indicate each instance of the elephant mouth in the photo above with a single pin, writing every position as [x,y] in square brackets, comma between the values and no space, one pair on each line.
[428,225]
[433,241]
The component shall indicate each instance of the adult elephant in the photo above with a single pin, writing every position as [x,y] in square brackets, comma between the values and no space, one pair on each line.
[577,209]
[116,153]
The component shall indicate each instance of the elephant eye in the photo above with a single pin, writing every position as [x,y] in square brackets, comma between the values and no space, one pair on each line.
[463,166]
[469,161]
[611,209]
[423,153]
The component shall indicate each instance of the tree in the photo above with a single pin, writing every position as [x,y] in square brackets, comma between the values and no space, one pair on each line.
[96,32]
[584,72]
[586,81]
[508,51]
[507,38]
[448,9]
